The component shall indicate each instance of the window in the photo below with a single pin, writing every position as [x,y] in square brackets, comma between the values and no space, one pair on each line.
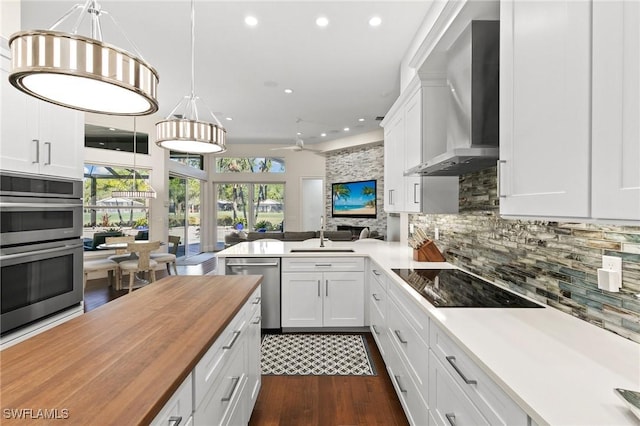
[115,139]
[250,165]
[103,212]
[250,206]
[191,160]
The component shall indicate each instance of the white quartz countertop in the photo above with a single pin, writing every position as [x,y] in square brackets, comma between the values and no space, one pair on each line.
[561,370]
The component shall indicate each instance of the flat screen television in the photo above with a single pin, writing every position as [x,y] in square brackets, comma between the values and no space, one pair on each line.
[354,199]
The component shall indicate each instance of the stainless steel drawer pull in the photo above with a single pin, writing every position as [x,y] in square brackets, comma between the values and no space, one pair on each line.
[257,300]
[326,288]
[375,297]
[235,381]
[175,420]
[501,193]
[452,361]
[257,321]
[375,329]
[48,144]
[400,385]
[323,264]
[452,418]
[375,272]
[233,341]
[318,288]
[399,336]
[37,151]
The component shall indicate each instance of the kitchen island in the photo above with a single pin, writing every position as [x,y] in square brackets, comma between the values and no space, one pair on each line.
[558,369]
[121,363]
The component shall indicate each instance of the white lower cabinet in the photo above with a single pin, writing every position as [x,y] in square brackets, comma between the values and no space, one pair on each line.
[329,294]
[223,387]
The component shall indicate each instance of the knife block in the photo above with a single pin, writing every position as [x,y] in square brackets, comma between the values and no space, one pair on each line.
[428,252]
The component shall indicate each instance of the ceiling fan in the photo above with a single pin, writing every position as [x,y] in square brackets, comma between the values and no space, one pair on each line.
[299,143]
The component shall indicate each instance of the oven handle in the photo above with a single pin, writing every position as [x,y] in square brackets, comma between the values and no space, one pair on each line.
[40,205]
[45,251]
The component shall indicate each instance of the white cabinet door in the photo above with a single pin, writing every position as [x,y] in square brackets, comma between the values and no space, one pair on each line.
[413,152]
[302,299]
[616,110]
[61,141]
[344,297]
[393,165]
[18,140]
[545,80]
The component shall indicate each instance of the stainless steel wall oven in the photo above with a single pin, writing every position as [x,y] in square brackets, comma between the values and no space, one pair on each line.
[41,251]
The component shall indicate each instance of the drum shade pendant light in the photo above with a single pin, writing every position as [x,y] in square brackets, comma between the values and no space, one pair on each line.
[182,130]
[135,192]
[83,73]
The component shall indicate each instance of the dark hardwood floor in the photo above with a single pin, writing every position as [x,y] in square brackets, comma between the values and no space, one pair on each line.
[301,400]
[330,400]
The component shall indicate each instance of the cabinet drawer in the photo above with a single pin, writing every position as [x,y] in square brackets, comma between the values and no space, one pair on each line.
[414,314]
[219,355]
[412,349]
[449,405]
[378,293]
[487,396]
[180,406]
[415,407]
[378,330]
[321,264]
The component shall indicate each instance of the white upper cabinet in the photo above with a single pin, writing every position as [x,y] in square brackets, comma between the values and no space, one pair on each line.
[616,110]
[37,136]
[393,165]
[545,62]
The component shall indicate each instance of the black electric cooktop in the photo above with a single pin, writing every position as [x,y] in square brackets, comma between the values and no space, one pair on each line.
[453,288]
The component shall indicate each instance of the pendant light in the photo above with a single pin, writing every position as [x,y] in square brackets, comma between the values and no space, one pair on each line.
[182,130]
[83,73]
[135,192]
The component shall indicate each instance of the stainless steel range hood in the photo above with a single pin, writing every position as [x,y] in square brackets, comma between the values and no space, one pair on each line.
[473,110]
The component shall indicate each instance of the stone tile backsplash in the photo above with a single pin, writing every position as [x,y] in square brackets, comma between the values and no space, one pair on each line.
[353,164]
[553,262]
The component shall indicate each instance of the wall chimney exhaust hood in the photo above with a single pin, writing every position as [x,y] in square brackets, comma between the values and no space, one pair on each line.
[473,105]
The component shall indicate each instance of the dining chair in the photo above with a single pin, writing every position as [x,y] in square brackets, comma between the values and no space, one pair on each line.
[99,265]
[143,263]
[169,258]
[121,254]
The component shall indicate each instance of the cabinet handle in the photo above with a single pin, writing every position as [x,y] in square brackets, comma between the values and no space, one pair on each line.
[375,297]
[235,381]
[326,288]
[391,197]
[323,264]
[256,301]
[257,321]
[375,329]
[318,288]
[399,384]
[452,418]
[48,144]
[37,151]
[452,360]
[375,272]
[499,179]
[415,198]
[233,341]
[175,420]
[400,337]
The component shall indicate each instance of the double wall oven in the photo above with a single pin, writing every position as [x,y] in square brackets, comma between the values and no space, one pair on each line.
[41,251]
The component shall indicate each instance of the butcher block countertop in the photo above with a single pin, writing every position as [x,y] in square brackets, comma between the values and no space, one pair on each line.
[120,363]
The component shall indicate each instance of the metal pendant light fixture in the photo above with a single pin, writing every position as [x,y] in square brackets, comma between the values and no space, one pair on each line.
[135,192]
[182,130]
[83,73]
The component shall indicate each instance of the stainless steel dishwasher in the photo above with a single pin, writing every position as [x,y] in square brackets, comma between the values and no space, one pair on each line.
[269,268]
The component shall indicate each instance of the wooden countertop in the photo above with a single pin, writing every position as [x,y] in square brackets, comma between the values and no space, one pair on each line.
[119,364]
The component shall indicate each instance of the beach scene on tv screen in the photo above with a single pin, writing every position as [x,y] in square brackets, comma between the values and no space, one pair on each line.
[354,198]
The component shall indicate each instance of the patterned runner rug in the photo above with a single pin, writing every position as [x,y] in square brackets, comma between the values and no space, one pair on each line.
[316,355]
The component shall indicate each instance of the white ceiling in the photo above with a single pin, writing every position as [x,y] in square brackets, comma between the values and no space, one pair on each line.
[340,73]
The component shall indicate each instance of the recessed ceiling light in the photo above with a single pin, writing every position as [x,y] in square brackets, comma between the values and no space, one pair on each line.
[299,133]
[360,119]
[323,134]
[288,91]
[375,21]
[346,129]
[112,129]
[251,21]
[228,118]
[322,21]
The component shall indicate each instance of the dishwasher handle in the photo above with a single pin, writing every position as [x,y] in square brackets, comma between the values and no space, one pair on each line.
[251,264]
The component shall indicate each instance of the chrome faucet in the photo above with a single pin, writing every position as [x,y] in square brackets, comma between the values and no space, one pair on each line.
[321,231]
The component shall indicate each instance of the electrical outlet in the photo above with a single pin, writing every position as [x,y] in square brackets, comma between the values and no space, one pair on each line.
[411,227]
[436,234]
[612,263]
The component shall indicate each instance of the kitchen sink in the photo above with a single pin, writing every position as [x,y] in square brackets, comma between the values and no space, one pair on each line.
[322,249]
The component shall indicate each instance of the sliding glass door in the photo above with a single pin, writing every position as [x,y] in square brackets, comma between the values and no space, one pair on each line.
[184,214]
